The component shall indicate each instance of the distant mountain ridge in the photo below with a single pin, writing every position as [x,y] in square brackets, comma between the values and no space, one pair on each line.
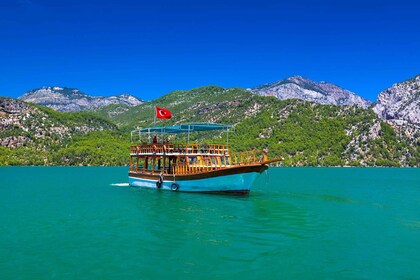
[309,90]
[73,100]
[305,133]
[400,103]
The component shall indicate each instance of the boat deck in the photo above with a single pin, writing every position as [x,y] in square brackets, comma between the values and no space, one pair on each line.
[191,158]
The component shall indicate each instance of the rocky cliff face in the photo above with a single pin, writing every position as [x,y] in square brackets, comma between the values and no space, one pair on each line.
[308,90]
[73,100]
[23,124]
[400,103]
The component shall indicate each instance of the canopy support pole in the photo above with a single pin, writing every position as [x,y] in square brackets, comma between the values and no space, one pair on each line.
[189,131]
[227,136]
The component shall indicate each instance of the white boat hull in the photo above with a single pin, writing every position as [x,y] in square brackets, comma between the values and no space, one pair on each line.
[234,183]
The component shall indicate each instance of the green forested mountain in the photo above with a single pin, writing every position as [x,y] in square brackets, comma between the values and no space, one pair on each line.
[112,110]
[304,133]
[36,135]
[204,104]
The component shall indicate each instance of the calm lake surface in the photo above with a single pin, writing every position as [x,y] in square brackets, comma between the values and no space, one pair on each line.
[297,223]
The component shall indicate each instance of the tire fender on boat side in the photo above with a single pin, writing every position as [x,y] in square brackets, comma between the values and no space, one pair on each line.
[174,186]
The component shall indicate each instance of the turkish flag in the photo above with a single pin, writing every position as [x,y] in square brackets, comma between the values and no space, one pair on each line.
[162,113]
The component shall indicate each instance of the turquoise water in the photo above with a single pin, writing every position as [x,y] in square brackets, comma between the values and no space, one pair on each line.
[297,223]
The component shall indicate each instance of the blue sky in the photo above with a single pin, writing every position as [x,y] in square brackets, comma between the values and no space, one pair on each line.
[149,48]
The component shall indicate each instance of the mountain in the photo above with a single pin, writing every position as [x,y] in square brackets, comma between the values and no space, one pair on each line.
[204,104]
[23,124]
[305,133]
[400,103]
[35,135]
[308,90]
[73,100]
[112,110]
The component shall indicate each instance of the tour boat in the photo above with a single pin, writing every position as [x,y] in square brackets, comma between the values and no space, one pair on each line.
[155,162]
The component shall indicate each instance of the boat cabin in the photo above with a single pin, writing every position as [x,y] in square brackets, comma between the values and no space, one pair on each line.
[156,155]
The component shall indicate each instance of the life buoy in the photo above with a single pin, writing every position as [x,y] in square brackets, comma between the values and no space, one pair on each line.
[154,149]
[174,186]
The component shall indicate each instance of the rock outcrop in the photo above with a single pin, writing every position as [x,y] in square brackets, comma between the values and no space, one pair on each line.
[73,100]
[400,103]
[308,90]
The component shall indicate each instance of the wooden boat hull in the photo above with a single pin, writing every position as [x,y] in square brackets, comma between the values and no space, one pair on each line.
[238,179]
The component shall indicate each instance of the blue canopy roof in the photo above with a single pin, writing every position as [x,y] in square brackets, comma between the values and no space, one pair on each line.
[184,128]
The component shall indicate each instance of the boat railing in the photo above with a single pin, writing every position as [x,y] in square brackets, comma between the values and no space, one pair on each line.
[209,163]
[249,157]
[201,164]
[166,148]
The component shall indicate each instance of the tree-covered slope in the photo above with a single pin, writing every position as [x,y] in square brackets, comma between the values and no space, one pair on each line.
[309,134]
[36,135]
[205,104]
[304,133]
[111,110]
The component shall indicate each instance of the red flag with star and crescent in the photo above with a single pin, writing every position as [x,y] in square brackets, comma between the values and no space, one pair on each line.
[162,113]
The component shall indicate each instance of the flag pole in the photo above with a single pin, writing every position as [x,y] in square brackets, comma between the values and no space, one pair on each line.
[154,122]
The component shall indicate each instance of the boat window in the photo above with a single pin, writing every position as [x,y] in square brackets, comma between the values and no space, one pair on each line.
[167,166]
[133,163]
[136,163]
[141,163]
